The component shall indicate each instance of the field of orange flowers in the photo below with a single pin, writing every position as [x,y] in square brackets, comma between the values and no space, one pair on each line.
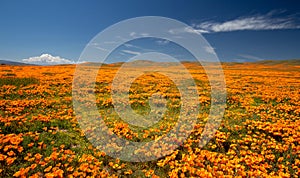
[259,135]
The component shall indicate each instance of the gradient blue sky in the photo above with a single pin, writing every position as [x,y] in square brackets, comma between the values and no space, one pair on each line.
[237,30]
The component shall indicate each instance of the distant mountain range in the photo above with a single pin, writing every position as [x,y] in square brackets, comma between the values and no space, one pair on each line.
[275,62]
[13,63]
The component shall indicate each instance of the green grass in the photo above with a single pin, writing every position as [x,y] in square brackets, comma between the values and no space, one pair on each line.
[18,81]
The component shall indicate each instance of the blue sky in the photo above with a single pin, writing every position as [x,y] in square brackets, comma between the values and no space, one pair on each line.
[237,30]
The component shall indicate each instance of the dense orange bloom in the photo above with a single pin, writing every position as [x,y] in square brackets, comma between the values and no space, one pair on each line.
[33,166]
[10,160]
[259,135]
[30,144]
[2,157]
[48,169]
[22,172]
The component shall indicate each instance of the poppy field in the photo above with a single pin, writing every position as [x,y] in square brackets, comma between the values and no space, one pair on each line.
[259,135]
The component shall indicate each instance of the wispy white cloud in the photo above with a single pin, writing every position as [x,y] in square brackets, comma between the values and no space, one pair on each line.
[110,42]
[144,34]
[93,44]
[135,34]
[209,50]
[47,59]
[250,57]
[131,52]
[269,21]
[177,31]
[100,48]
[132,34]
[97,46]
[128,45]
[162,42]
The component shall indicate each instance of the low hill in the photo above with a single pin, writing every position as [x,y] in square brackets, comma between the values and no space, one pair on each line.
[13,63]
[279,62]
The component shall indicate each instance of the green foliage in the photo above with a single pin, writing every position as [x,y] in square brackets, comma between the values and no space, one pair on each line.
[18,82]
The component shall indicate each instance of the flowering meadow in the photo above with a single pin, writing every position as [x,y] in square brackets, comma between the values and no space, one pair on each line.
[259,135]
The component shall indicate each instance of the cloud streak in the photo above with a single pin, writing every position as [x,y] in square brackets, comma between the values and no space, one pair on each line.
[268,21]
[131,52]
[210,50]
[250,57]
[162,42]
